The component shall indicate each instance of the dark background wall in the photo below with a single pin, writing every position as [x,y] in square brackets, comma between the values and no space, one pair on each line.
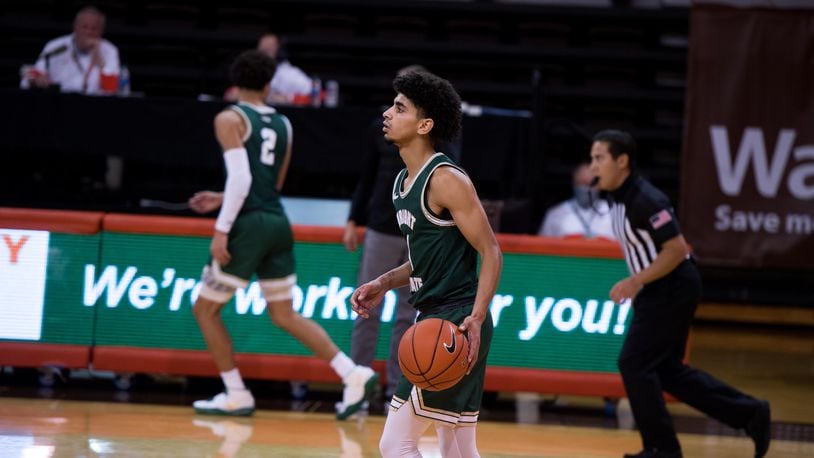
[575,70]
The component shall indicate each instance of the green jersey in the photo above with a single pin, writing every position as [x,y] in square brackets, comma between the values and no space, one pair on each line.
[444,264]
[267,139]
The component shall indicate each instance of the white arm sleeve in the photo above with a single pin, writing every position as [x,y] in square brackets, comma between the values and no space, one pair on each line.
[238,183]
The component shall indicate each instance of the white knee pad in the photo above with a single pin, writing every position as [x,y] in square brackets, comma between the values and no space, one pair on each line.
[219,286]
[278,289]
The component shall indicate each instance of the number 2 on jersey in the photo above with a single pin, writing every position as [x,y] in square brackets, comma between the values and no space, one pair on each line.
[267,147]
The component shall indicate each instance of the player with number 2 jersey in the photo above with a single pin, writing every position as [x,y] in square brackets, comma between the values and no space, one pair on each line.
[253,237]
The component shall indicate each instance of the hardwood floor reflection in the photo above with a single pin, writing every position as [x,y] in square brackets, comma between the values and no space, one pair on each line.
[46,428]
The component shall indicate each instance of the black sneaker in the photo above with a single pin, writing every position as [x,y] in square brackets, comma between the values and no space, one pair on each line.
[654,453]
[759,429]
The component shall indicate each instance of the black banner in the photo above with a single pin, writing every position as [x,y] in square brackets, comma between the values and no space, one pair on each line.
[747,180]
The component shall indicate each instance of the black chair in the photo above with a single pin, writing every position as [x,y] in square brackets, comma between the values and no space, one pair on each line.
[402,27]
[613,37]
[473,31]
[331,25]
[165,69]
[542,33]
[253,21]
[28,9]
[173,15]
[610,76]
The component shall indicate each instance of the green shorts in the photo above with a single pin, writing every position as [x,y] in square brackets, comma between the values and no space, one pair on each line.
[261,243]
[461,403]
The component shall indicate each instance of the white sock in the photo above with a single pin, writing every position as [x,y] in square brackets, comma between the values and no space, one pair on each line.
[342,365]
[232,380]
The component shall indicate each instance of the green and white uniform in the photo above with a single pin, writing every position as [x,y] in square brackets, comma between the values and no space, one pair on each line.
[444,282]
[261,241]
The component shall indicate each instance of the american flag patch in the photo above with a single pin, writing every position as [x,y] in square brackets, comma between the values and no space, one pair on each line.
[660,219]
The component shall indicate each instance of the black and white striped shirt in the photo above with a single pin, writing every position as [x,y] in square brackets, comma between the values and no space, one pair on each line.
[643,220]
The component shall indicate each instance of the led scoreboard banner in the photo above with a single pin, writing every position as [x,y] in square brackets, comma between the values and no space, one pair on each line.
[123,286]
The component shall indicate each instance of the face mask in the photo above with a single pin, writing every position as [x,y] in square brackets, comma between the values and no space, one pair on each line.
[585,195]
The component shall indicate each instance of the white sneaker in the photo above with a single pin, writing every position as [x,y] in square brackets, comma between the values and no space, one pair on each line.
[235,403]
[359,386]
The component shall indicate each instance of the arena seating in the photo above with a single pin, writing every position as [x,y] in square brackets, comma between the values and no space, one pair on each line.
[577,68]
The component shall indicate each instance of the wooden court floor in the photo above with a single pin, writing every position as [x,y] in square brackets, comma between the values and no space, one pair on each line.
[776,365]
[45,428]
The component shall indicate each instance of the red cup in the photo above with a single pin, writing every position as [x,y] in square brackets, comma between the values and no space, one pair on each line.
[30,72]
[109,83]
[301,99]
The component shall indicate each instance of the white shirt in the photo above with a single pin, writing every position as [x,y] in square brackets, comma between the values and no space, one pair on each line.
[289,80]
[569,219]
[71,69]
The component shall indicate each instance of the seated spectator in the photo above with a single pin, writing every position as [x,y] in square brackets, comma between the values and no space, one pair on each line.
[82,61]
[289,84]
[584,215]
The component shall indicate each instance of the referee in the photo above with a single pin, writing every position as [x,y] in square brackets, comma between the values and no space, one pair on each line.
[665,287]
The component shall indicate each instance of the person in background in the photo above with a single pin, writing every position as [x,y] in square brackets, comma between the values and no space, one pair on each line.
[289,80]
[665,287]
[289,84]
[82,61]
[253,237]
[583,215]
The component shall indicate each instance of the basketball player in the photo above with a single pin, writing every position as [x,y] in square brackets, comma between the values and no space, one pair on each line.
[446,228]
[665,287]
[253,236]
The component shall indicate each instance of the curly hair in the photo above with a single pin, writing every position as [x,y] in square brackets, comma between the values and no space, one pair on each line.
[252,70]
[435,98]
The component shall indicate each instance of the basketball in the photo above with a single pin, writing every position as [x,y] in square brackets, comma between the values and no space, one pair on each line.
[432,354]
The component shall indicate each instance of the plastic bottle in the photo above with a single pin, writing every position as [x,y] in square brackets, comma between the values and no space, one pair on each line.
[316,92]
[331,93]
[124,81]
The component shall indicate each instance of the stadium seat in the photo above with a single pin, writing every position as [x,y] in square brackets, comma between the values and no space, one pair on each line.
[331,24]
[252,21]
[402,27]
[539,33]
[473,31]
[174,15]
